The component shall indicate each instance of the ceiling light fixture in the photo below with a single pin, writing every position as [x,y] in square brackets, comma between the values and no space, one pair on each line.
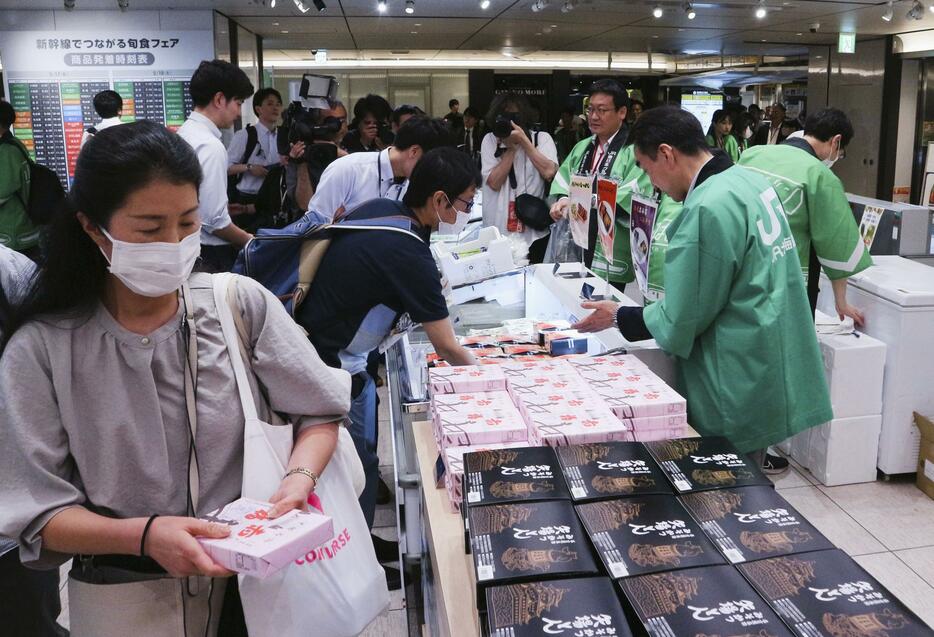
[689,11]
[381,6]
[123,4]
[410,6]
[931,8]
[539,5]
[320,6]
[567,7]
[69,5]
[272,4]
[658,12]
[889,11]
[761,11]
[916,12]
[301,6]
[485,4]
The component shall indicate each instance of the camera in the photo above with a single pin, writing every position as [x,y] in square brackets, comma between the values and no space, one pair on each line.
[814,27]
[302,121]
[502,126]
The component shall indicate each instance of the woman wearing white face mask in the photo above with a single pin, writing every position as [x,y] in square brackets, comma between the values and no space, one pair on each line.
[121,417]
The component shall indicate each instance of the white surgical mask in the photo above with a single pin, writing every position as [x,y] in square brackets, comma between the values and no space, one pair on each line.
[830,162]
[453,228]
[154,268]
[747,134]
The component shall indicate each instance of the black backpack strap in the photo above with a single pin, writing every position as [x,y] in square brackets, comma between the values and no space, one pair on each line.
[92,130]
[252,139]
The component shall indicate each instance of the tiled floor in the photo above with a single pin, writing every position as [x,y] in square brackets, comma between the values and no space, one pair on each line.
[887,527]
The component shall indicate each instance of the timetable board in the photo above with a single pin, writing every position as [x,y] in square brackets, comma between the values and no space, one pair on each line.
[52,78]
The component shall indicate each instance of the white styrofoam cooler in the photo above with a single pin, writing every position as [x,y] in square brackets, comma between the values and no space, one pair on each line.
[854,365]
[896,296]
[842,451]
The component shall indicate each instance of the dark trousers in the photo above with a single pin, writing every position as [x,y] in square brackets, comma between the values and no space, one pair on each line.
[30,600]
[217,258]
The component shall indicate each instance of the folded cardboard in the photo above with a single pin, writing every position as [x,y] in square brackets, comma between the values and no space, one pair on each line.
[466,379]
[854,364]
[707,601]
[827,594]
[527,541]
[259,546]
[611,469]
[698,464]
[925,477]
[753,523]
[646,534]
[582,606]
[842,451]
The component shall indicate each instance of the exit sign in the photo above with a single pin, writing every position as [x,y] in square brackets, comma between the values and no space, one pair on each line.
[847,43]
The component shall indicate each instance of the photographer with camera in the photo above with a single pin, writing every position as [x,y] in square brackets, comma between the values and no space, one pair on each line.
[359,177]
[516,164]
[314,143]
[370,130]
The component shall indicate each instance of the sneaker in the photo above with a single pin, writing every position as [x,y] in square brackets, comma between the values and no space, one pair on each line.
[773,465]
[386,550]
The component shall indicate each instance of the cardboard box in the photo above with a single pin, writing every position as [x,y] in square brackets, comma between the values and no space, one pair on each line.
[844,450]
[710,600]
[585,606]
[753,523]
[258,546]
[700,464]
[479,418]
[465,379]
[527,541]
[926,456]
[646,534]
[854,365]
[827,594]
[610,470]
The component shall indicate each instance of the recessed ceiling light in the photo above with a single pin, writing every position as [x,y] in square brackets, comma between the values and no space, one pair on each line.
[381,6]
[554,26]
[410,6]
[485,4]
[655,37]
[763,40]
[658,12]
[275,24]
[414,32]
[283,31]
[761,11]
[689,10]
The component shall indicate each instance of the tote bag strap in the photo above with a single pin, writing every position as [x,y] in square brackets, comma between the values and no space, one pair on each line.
[191,404]
[223,282]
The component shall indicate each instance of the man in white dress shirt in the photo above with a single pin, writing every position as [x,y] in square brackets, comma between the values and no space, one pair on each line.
[252,167]
[109,106]
[218,90]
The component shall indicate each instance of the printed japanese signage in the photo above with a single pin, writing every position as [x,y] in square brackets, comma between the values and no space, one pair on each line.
[51,78]
[606,215]
[581,201]
[641,227]
[869,224]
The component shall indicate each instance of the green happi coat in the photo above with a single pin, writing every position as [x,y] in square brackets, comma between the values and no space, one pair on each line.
[629,177]
[736,313]
[816,205]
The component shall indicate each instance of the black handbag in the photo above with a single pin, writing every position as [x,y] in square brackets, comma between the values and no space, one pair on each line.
[533,212]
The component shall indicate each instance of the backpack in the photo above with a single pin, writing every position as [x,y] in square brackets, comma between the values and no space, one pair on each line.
[286,260]
[252,139]
[46,193]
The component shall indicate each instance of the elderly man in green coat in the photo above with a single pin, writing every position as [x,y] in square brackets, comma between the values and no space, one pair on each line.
[735,310]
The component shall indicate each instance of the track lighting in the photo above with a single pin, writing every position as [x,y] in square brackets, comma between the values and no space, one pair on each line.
[485,4]
[916,12]
[272,4]
[539,5]
[689,11]
[301,6]
[761,11]
[889,11]
[410,6]
[657,12]
[320,6]
[381,6]
[567,7]
[69,5]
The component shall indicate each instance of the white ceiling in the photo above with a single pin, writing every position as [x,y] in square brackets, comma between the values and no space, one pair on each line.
[594,26]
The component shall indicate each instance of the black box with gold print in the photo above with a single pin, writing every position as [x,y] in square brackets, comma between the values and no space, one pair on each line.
[753,523]
[711,601]
[587,606]
[701,464]
[610,470]
[527,541]
[648,534]
[827,594]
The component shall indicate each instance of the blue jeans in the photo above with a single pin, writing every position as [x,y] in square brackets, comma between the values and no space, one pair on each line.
[363,432]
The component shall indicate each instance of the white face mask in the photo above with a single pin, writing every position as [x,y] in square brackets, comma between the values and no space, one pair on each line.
[747,134]
[830,162]
[453,228]
[154,268]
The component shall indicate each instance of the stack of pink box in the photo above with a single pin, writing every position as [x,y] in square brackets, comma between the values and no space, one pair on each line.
[476,418]
[642,400]
[466,379]
[453,458]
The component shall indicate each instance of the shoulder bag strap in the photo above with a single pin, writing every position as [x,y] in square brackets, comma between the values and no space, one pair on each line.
[222,283]
[191,391]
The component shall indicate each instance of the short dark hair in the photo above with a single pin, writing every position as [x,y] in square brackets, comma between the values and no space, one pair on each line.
[446,169]
[498,107]
[828,122]
[7,114]
[451,104]
[667,125]
[472,111]
[217,76]
[405,109]
[426,132]
[372,104]
[780,105]
[613,89]
[260,96]
[108,104]
[754,107]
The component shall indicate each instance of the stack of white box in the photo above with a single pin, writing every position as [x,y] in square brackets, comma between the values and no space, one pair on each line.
[845,450]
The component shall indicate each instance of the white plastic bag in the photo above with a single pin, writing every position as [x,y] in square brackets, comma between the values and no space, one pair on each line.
[337,589]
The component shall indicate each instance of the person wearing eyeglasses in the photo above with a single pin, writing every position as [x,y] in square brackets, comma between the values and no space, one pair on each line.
[605,155]
[373,282]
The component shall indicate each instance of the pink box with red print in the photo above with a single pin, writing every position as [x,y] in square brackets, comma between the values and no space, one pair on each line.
[466,379]
[454,468]
[478,418]
[531,386]
[525,368]
[258,546]
[570,418]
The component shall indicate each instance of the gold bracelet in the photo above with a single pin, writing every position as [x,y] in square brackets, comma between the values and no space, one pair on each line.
[305,472]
